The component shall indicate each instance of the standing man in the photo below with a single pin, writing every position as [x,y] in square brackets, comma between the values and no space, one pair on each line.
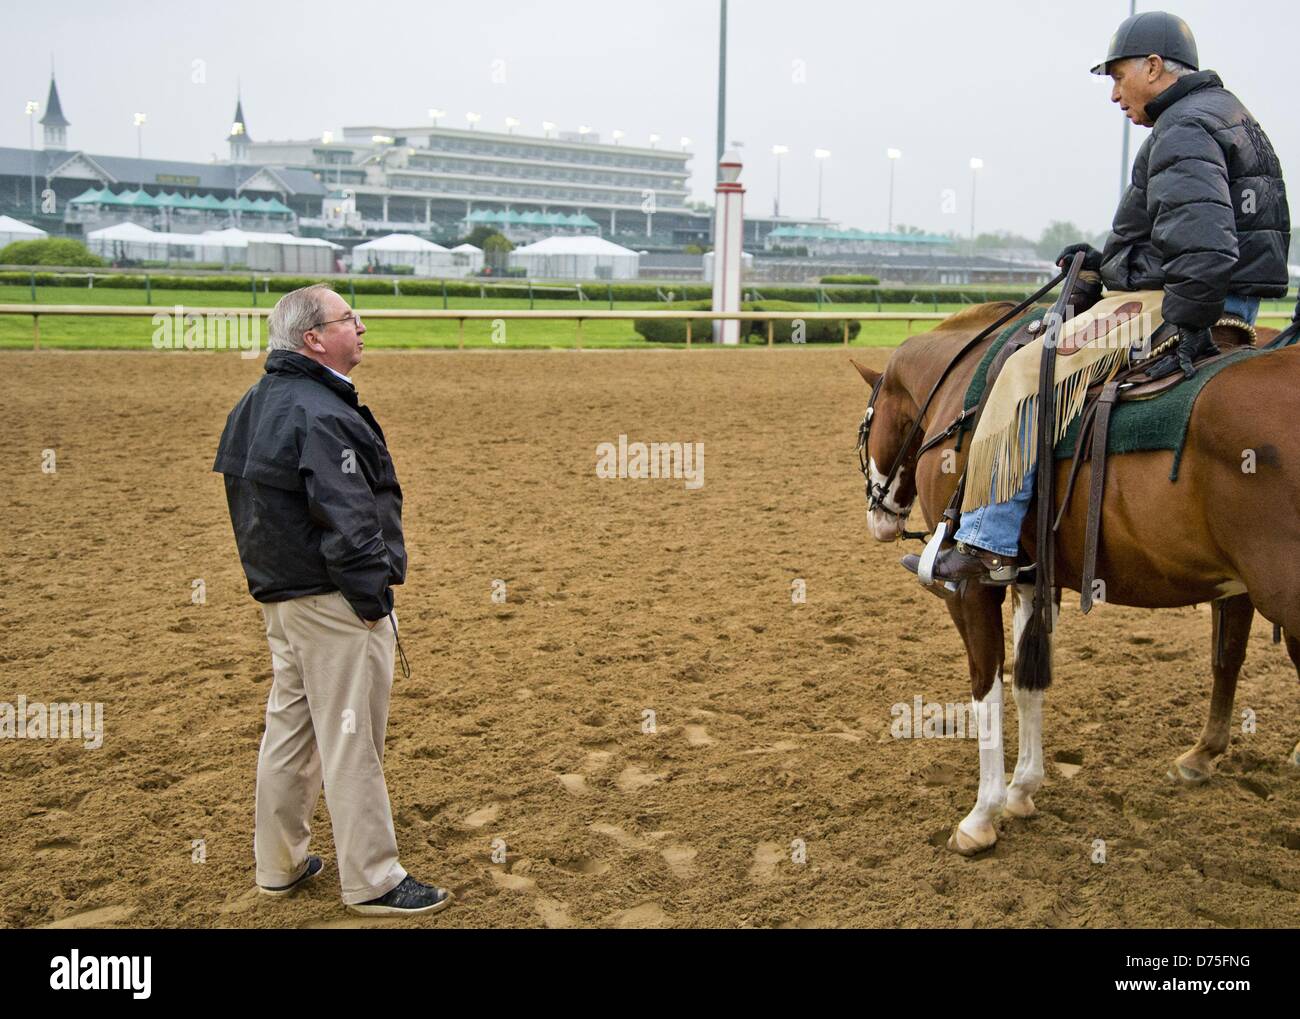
[1204,221]
[316,510]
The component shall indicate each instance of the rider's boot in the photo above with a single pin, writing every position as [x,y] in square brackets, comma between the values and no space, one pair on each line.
[961,562]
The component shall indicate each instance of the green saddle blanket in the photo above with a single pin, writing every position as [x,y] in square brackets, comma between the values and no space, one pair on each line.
[1158,423]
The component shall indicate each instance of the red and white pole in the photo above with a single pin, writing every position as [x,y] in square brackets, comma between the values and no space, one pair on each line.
[728,233]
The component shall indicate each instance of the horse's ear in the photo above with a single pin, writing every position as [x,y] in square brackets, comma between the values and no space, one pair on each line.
[868,376]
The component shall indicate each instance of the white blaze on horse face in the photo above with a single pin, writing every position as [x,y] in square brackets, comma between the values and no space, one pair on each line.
[884,526]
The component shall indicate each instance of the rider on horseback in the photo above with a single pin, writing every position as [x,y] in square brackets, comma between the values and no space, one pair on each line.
[1205,219]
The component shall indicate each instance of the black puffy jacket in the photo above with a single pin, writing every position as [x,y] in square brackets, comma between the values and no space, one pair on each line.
[313,496]
[1206,213]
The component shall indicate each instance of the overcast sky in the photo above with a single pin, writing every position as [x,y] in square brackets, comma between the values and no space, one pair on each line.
[942,80]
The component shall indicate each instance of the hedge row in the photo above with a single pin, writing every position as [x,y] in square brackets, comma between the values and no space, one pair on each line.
[869,281]
[658,330]
[597,292]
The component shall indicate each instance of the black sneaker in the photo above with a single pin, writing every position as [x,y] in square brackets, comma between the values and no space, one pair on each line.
[407,899]
[314,866]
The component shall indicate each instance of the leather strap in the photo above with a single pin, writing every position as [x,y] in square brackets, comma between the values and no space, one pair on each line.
[1096,490]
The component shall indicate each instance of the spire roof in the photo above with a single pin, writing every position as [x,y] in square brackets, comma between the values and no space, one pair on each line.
[53,108]
[239,126]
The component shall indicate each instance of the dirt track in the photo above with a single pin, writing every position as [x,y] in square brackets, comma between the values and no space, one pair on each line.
[523,721]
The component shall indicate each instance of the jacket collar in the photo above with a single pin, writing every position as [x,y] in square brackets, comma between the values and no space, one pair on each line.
[1184,86]
[288,362]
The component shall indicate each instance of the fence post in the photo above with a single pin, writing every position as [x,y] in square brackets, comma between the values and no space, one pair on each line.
[579,336]
[771,326]
[396,291]
[352,294]
[819,298]
[252,285]
[444,295]
[36,332]
[530,294]
[33,288]
[148,290]
[460,344]
[609,287]
[689,323]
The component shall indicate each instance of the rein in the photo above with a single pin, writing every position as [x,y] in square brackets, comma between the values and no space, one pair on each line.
[878,494]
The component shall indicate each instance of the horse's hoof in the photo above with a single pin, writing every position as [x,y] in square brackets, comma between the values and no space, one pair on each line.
[967,845]
[1184,775]
[1019,806]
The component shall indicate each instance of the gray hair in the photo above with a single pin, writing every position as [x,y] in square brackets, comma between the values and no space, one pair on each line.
[293,314]
[1174,67]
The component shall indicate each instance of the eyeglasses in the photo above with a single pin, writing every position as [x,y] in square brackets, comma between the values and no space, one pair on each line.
[356,320]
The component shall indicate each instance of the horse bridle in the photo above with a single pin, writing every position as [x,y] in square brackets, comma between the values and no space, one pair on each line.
[878,500]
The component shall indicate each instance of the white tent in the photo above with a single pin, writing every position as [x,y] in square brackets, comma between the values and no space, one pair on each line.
[467,259]
[580,257]
[129,241]
[272,252]
[424,257]
[16,230]
[269,252]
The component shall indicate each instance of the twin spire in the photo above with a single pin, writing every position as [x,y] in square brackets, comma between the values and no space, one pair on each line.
[55,126]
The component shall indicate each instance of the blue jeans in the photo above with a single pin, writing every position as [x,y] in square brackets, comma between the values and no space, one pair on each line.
[1243,307]
[996,527]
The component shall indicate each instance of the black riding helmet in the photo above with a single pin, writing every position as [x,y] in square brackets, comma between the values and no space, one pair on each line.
[1158,32]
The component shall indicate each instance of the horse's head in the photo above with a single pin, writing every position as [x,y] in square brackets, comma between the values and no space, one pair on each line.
[890,470]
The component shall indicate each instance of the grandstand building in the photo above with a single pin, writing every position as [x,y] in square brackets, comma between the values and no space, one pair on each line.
[443,181]
[64,190]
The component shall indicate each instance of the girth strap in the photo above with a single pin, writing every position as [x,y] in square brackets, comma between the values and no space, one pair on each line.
[1096,489]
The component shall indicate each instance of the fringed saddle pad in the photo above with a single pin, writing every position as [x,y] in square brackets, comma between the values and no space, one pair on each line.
[1092,347]
[1159,423]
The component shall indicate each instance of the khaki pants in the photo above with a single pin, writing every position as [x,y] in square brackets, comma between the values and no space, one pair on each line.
[325,720]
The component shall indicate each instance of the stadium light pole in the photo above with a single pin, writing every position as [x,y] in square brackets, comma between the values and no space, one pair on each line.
[547,128]
[654,140]
[821,156]
[618,136]
[473,119]
[140,120]
[33,108]
[1123,158]
[436,115]
[894,156]
[511,124]
[976,164]
[722,86]
[685,143]
[778,151]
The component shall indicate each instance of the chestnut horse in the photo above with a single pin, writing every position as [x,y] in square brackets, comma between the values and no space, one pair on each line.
[1227,532]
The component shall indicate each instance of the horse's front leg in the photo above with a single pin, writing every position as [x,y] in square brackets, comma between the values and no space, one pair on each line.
[978,615]
[1029,713]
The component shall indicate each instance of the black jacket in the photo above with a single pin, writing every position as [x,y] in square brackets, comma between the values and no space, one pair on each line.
[313,496]
[1206,213]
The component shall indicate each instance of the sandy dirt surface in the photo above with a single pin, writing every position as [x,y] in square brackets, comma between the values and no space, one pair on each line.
[523,722]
